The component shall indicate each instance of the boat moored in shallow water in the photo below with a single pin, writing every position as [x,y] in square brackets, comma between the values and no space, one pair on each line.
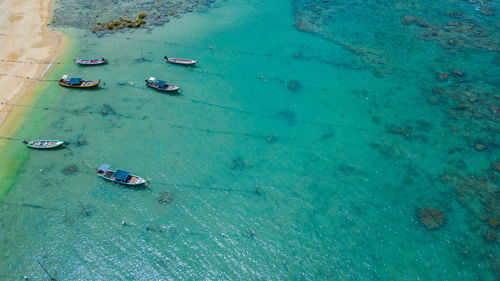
[91,61]
[66,81]
[181,61]
[161,85]
[119,176]
[44,144]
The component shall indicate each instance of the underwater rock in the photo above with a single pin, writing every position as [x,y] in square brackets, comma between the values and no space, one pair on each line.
[423,125]
[408,19]
[293,85]
[495,166]
[445,178]
[164,197]
[454,14]
[487,12]
[81,142]
[461,107]
[493,222]
[490,235]
[442,76]
[431,218]
[392,129]
[289,116]
[107,109]
[271,139]
[458,73]
[438,90]
[238,164]
[454,23]
[70,169]
[433,100]
[480,147]
[473,99]
[328,135]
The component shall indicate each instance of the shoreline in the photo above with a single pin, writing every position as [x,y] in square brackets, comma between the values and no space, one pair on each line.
[28,56]
[33,56]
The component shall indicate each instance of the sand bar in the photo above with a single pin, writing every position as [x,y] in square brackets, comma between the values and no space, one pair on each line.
[28,48]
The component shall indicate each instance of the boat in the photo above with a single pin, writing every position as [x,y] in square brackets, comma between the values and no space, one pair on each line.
[91,61]
[65,81]
[44,144]
[119,176]
[161,85]
[181,61]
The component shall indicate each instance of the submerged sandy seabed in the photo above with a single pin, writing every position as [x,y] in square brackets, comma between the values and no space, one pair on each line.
[28,49]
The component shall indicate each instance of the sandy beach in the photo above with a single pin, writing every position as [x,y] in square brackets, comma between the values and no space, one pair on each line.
[28,48]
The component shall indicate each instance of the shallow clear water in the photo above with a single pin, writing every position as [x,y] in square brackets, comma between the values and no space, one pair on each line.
[342,157]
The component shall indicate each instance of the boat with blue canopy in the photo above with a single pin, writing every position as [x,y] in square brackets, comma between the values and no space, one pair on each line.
[66,81]
[119,176]
[161,85]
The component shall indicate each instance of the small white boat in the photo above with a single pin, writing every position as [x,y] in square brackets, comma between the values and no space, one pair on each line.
[181,61]
[44,144]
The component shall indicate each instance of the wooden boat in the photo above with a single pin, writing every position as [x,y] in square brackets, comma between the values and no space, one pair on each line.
[161,85]
[65,81]
[181,61]
[44,144]
[119,176]
[91,61]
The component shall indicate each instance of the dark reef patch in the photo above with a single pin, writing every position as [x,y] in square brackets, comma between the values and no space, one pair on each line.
[70,169]
[289,116]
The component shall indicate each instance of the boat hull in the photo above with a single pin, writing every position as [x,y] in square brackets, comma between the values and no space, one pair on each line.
[83,85]
[140,181]
[181,61]
[170,89]
[45,144]
[91,62]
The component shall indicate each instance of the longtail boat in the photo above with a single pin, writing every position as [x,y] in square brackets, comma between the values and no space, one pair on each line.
[161,85]
[65,81]
[181,61]
[44,144]
[91,61]
[119,176]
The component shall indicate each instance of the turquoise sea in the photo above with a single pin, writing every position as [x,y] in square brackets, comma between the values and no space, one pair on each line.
[302,147]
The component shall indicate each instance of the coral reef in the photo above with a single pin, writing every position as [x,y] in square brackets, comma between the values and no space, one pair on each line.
[109,15]
[120,24]
[238,164]
[430,217]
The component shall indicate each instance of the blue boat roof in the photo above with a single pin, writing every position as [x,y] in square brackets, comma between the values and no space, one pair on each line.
[75,81]
[162,84]
[104,167]
[121,175]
